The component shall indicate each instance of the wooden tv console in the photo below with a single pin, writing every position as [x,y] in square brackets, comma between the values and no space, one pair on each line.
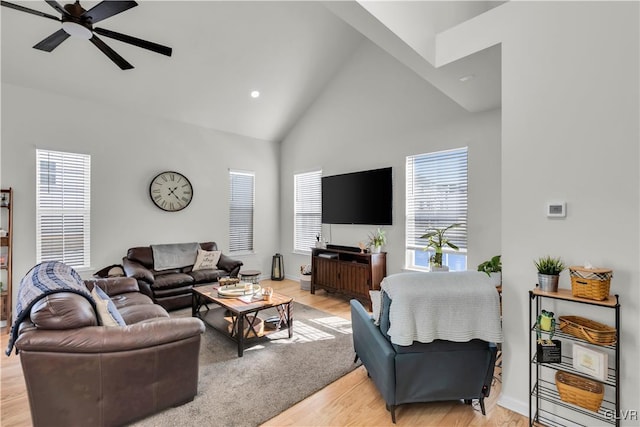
[352,274]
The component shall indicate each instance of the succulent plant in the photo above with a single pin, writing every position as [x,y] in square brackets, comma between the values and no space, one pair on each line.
[549,265]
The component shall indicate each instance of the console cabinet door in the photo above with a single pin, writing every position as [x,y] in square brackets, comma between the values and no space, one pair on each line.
[354,279]
[326,273]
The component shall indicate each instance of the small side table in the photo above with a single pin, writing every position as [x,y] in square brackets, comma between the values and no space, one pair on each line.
[250,276]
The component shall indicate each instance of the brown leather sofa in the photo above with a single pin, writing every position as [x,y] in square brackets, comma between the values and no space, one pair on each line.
[80,374]
[172,288]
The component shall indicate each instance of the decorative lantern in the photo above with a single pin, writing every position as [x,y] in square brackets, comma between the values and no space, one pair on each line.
[277,267]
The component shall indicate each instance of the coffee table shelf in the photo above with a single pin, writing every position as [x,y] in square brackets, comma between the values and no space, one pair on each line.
[236,319]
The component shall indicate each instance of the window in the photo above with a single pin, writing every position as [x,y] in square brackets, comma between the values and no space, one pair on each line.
[241,203]
[437,197]
[307,210]
[63,208]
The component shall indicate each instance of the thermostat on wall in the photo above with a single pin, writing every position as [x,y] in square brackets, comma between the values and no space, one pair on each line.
[557,210]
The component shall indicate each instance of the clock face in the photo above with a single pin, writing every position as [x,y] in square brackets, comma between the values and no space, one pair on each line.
[171,191]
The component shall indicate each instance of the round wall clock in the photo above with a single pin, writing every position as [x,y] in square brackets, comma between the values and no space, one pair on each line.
[171,191]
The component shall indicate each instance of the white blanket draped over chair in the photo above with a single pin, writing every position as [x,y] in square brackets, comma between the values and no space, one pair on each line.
[454,306]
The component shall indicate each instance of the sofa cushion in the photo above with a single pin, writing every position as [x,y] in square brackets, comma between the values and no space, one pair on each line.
[157,273]
[175,302]
[130,299]
[209,246]
[108,314]
[206,260]
[114,285]
[142,255]
[174,280]
[63,310]
[228,263]
[206,276]
[170,292]
[140,313]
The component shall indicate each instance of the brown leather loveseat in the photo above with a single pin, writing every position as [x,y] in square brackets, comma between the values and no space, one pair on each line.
[171,288]
[80,374]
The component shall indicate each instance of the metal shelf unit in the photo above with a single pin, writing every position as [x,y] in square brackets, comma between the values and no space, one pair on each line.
[542,390]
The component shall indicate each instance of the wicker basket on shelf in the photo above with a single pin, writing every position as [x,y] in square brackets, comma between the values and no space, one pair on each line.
[579,391]
[590,283]
[587,329]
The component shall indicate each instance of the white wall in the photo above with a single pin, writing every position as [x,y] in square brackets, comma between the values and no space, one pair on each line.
[373,114]
[127,150]
[570,122]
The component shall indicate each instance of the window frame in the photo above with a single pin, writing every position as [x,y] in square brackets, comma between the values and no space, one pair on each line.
[249,243]
[303,245]
[453,182]
[68,195]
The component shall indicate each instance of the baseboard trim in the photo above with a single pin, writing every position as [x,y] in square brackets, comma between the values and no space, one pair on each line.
[514,405]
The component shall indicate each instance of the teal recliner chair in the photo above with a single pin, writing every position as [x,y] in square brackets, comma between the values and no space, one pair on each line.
[421,372]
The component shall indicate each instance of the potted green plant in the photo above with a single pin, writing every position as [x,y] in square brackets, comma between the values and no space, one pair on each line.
[377,240]
[436,240]
[493,268]
[549,269]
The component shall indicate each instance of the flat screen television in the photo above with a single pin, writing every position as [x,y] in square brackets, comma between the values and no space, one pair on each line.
[364,197]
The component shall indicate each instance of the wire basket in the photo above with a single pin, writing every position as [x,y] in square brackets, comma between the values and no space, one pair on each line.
[590,283]
[587,329]
[580,391]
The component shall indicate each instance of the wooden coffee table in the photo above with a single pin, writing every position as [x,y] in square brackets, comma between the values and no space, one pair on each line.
[240,312]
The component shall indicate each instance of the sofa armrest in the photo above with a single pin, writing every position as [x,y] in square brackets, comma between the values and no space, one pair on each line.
[377,354]
[114,285]
[232,266]
[137,271]
[103,339]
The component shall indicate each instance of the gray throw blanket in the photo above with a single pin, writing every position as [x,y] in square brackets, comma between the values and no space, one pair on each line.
[44,279]
[174,255]
[456,306]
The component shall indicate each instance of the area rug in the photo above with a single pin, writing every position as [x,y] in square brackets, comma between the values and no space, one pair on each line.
[272,376]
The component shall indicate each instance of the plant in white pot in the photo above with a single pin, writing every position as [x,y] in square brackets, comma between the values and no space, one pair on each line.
[437,240]
[377,240]
[493,268]
[549,269]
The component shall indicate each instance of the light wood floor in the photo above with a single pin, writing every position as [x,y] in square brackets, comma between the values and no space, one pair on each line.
[353,400]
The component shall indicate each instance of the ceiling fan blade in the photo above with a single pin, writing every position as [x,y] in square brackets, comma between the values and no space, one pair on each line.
[26,9]
[107,9]
[155,47]
[54,4]
[119,60]
[53,41]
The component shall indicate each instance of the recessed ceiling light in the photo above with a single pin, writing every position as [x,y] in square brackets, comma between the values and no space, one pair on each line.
[255,94]
[467,77]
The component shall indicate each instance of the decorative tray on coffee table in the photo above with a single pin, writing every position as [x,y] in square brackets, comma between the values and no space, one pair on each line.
[239,290]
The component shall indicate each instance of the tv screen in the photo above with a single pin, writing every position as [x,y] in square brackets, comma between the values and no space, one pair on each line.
[358,198]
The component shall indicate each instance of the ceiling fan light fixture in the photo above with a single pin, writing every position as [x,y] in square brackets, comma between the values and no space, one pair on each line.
[77,30]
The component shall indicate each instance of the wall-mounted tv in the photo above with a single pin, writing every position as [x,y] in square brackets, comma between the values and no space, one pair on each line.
[358,198]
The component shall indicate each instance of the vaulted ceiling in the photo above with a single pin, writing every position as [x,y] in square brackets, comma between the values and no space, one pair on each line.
[222,51]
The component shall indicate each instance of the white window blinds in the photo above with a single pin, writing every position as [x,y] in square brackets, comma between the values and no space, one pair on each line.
[241,204]
[308,210]
[437,196]
[63,207]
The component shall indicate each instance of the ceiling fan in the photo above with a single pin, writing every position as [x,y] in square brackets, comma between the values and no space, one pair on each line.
[78,22]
